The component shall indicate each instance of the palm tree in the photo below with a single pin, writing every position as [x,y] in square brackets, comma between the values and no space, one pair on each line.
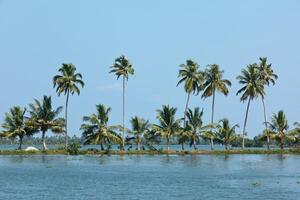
[195,126]
[96,129]
[67,82]
[214,82]
[44,118]
[226,133]
[139,128]
[122,67]
[252,88]
[15,125]
[191,76]
[168,125]
[279,126]
[266,76]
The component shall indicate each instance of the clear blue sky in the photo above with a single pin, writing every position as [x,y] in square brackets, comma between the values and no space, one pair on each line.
[157,36]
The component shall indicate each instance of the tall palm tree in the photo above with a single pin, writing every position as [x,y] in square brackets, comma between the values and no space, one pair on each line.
[15,125]
[122,68]
[192,77]
[67,83]
[279,126]
[44,118]
[252,87]
[214,82]
[96,129]
[168,125]
[267,77]
[226,133]
[139,128]
[195,127]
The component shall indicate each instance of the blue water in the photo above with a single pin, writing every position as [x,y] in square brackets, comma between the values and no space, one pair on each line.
[150,177]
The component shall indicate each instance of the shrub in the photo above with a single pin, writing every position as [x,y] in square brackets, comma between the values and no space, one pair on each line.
[73,148]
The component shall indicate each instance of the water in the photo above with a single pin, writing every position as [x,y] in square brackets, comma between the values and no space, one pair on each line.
[150,177]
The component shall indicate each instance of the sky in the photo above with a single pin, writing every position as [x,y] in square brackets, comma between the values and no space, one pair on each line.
[36,37]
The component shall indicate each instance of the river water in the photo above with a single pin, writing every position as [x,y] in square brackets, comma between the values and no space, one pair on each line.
[150,177]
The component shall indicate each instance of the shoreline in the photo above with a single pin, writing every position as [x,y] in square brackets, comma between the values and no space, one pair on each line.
[149,152]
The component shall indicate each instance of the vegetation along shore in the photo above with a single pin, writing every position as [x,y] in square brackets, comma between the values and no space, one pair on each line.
[143,137]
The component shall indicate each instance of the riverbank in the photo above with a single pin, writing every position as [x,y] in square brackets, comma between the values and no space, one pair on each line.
[148,152]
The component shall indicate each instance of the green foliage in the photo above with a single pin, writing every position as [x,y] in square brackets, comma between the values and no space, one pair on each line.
[74,148]
[122,67]
[96,129]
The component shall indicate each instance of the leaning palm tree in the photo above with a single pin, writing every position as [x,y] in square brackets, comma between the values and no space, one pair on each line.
[195,127]
[192,77]
[67,83]
[139,128]
[122,67]
[266,76]
[168,125]
[15,125]
[214,82]
[279,126]
[226,133]
[252,88]
[96,129]
[44,118]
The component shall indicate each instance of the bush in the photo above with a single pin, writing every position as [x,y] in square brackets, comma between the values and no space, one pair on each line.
[73,148]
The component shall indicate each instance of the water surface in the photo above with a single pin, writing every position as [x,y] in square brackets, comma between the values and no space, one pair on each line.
[150,177]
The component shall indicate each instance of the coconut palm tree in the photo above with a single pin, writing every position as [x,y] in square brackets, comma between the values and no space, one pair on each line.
[214,82]
[225,132]
[139,128]
[122,68]
[195,127]
[279,126]
[252,87]
[267,77]
[96,129]
[15,125]
[44,118]
[192,77]
[168,126]
[67,82]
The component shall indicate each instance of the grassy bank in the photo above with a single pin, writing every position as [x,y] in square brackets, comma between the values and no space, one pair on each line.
[148,152]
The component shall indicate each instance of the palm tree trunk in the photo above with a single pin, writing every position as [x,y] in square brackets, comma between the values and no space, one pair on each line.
[138,144]
[101,146]
[185,114]
[44,141]
[212,120]
[211,143]
[186,108]
[282,141]
[123,117]
[66,120]
[21,142]
[266,123]
[194,144]
[245,124]
[168,144]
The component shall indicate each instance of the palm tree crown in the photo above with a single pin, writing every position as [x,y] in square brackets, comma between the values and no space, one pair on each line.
[191,76]
[45,118]
[122,67]
[225,132]
[140,127]
[279,125]
[68,80]
[96,129]
[266,73]
[168,125]
[252,86]
[15,125]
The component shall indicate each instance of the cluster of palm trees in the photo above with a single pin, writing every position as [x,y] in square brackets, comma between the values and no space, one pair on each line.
[189,129]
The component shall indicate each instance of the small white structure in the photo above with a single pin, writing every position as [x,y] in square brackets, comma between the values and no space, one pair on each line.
[31,149]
